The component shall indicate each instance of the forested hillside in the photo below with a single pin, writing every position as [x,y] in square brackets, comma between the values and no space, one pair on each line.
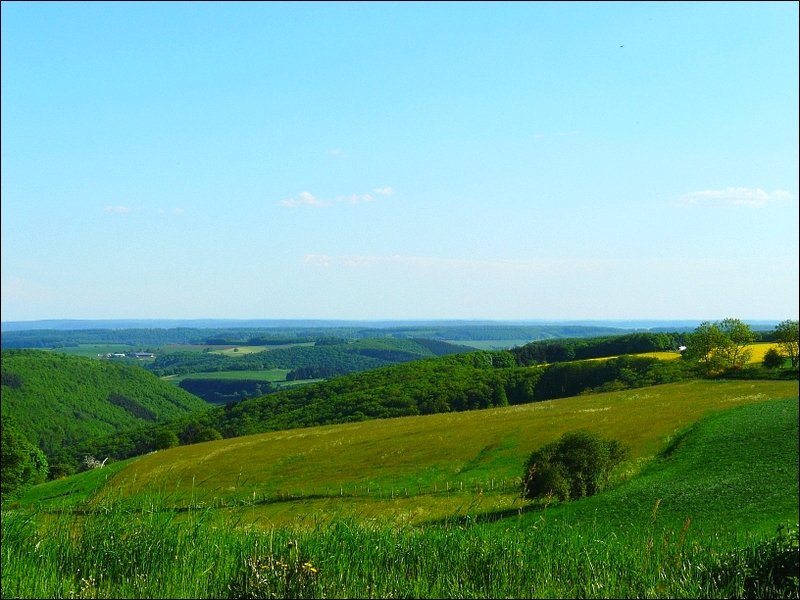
[598,347]
[452,383]
[326,358]
[58,401]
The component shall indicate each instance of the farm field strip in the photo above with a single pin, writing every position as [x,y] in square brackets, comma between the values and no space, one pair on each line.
[270,375]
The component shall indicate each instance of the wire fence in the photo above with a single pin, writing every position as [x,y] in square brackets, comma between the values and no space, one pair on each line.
[375,491]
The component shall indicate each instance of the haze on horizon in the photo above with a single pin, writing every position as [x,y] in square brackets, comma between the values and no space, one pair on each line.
[399,161]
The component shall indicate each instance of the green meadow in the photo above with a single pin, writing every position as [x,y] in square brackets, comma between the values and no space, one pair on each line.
[706,508]
[271,375]
[384,467]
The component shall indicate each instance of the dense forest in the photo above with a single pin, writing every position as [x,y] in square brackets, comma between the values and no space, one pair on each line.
[598,347]
[58,401]
[331,356]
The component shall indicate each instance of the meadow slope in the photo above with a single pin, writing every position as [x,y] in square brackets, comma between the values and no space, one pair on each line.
[384,468]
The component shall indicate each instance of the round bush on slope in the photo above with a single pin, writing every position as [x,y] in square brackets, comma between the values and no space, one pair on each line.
[576,465]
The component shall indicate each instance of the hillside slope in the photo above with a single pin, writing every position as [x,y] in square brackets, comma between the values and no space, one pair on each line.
[59,400]
[440,458]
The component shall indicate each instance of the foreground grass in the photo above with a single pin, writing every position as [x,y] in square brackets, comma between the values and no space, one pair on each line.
[701,521]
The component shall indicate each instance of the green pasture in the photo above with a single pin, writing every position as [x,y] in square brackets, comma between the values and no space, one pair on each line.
[414,469]
[233,350]
[711,515]
[271,375]
[239,350]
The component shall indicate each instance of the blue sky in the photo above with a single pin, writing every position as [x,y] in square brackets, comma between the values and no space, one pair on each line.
[400,160]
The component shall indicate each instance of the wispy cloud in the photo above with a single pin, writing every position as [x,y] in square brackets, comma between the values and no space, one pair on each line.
[357,198]
[304,199]
[308,199]
[118,210]
[734,196]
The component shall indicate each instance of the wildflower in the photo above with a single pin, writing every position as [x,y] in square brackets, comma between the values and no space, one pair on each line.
[309,568]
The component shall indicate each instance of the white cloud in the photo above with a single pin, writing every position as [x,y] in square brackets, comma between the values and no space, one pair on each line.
[303,199]
[118,210]
[734,196]
[317,260]
[357,198]
[308,199]
[337,152]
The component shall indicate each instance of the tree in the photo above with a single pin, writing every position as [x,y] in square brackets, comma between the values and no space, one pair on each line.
[786,334]
[720,345]
[576,465]
[21,462]
[739,336]
[704,344]
[166,439]
[208,434]
[773,359]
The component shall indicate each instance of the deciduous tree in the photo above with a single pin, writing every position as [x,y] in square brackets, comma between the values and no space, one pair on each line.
[786,334]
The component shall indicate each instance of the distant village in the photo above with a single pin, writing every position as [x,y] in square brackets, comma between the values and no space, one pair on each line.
[130,355]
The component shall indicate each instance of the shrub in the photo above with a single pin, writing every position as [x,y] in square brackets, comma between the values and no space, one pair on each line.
[773,359]
[576,465]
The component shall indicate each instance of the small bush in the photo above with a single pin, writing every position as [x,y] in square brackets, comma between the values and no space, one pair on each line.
[576,465]
[773,359]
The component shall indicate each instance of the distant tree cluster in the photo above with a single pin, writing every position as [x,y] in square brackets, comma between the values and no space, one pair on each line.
[723,346]
[561,350]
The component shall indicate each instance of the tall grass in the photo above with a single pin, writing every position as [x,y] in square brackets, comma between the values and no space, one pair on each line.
[641,539]
[146,555]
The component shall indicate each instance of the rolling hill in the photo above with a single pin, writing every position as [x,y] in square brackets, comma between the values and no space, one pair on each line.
[423,467]
[59,400]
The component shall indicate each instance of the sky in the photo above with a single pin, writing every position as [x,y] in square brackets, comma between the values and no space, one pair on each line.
[359,160]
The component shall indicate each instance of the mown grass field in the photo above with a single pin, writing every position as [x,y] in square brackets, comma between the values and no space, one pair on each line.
[414,469]
[698,521]
[271,375]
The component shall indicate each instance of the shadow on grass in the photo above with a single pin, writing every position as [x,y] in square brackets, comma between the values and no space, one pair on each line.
[490,516]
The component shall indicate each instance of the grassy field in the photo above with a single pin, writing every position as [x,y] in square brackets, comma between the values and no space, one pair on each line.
[712,517]
[271,375]
[414,469]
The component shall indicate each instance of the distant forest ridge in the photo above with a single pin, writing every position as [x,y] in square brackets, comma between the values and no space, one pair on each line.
[84,324]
